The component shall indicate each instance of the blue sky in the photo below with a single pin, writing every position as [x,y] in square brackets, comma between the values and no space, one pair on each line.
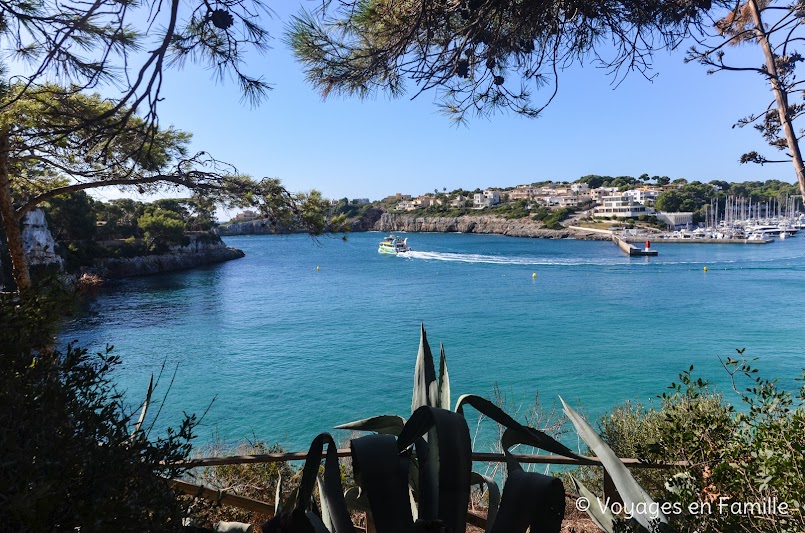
[679,125]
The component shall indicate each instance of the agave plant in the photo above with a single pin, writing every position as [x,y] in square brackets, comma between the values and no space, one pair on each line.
[416,474]
[637,503]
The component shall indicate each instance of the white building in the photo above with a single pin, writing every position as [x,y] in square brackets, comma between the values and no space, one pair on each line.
[676,220]
[522,192]
[643,196]
[488,198]
[599,193]
[246,215]
[459,201]
[621,206]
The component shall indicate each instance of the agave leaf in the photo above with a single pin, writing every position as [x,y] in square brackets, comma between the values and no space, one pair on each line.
[356,500]
[530,500]
[325,509]
[317,523]
[631,491]
[388,424]
[444,381]
[332,493]
[382,473]
[516,432]
[494,497]
[414,508]
[290,503]
[425,387]
[278,497]
[444,490]
[138,426]
[597,511]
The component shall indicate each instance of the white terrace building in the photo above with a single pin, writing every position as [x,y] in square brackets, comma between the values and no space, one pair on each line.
[599,193]
[522,193]
[568,200]
[644,195]
[621,206]
[487,198]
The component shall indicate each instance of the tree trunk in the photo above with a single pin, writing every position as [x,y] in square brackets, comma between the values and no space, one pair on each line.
[11,224]
[780,95]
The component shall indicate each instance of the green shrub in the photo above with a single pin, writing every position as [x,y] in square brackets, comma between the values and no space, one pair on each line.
[737,456]
[255,480]
[70,460]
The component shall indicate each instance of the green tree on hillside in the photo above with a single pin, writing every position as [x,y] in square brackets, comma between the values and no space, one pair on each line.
[72,217]
[130,47]
[119,218]
[162,228]
[42,162]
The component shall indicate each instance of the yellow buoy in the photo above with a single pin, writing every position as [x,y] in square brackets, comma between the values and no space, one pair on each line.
[705,269]
[534,275]
[319,268]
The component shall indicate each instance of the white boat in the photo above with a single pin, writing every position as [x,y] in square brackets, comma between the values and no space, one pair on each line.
[393,245]
[772,230]
[759,236]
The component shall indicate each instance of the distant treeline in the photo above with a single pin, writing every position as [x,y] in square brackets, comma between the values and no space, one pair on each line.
[83,226]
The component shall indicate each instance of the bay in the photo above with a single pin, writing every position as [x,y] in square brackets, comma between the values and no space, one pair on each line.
[287,350]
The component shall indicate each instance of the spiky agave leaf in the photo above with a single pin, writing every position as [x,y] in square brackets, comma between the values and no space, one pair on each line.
[356,500]
[382,474]
[629,489]
[515,431]
[530,501]
[494,497]
[387,424]
[445,463]
[325,509]
[597,511]
[278,497]
[138,426]
[331,491]
[425,385]
[444,381]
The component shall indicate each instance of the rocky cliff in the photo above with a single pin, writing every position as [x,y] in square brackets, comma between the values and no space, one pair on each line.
[38,242]
[522,227]
[262,226]
[377,220]
[201,251]
[39,247]
[258,226]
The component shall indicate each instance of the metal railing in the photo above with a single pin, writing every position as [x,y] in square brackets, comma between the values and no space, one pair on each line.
[267,508]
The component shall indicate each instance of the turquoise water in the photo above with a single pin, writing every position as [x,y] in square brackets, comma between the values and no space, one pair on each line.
[288,351]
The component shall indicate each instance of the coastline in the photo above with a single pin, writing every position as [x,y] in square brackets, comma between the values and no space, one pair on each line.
[481,224]
[198,252]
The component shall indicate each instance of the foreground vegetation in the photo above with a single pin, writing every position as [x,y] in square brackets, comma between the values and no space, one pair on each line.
[74,457]
[739,468]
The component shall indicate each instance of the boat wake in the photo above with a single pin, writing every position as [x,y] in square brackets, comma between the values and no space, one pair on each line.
[614,261]
[498,260]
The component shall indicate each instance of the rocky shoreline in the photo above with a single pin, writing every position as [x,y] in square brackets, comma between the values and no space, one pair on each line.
[483,224]
[199,252]
[145,265]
